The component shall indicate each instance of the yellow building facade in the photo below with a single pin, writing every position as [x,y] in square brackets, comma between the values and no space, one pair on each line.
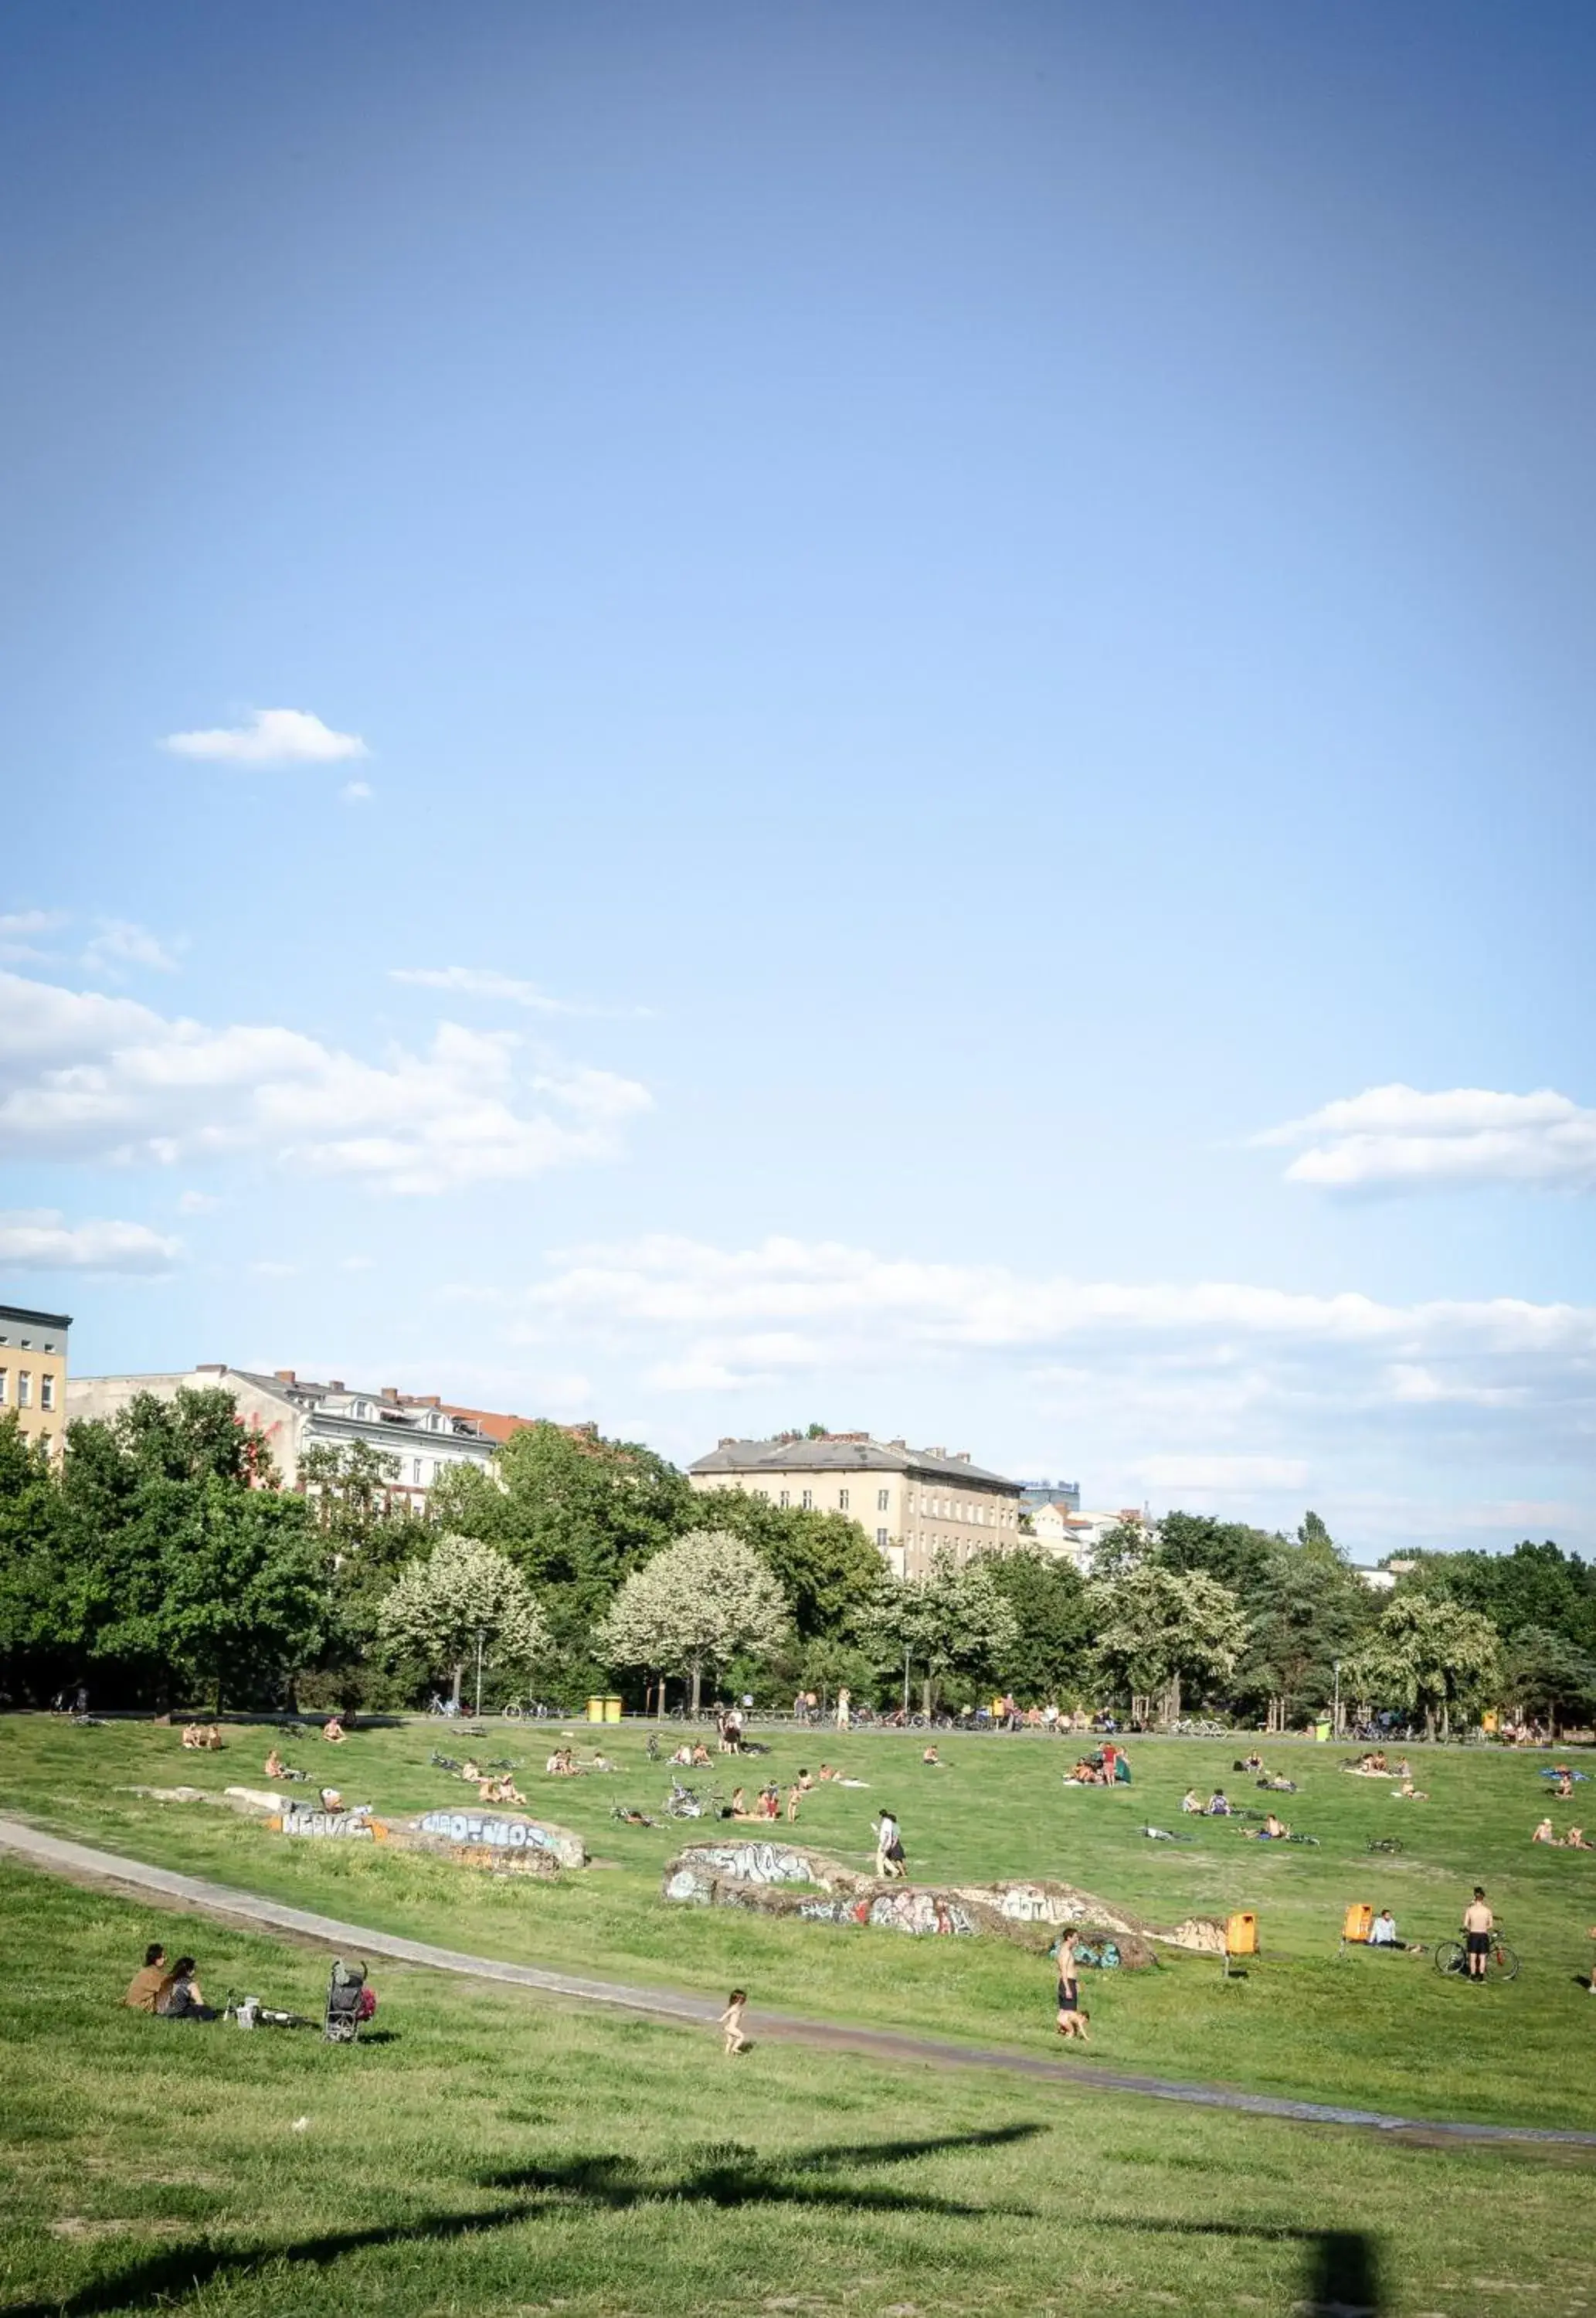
[34,1371]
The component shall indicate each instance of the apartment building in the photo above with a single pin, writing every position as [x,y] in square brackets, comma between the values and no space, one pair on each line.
[1070,1535]
[34,1371]
[913,1502]
[295,1414]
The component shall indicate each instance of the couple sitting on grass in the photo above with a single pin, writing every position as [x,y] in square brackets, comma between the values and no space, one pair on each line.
[173,1994]
[1574,1840]
[205,1735]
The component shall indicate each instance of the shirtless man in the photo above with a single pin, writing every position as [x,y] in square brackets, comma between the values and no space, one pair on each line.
[1479,1924]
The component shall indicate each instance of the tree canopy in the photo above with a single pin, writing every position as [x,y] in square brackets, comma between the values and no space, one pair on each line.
[693,1608]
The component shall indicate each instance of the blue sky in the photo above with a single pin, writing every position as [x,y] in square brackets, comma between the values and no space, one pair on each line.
[887,719]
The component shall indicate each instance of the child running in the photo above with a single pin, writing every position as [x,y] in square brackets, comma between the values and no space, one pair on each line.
[731,2023]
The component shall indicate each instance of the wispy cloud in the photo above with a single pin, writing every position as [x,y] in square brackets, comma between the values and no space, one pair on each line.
[484,982]
[269,736]
[1223,1392]
[118,943]
[198,1203]
[88,1076]
[37,1239]
[1399,1138]
[17,929]
[357,793]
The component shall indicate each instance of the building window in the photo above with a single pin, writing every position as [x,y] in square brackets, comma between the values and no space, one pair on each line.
[809,1501]
[4,1386]
[785,1500]
[415,1471]
[24,1387]
[882,1500]
[842,1501]
[881,1539]
[46,1392]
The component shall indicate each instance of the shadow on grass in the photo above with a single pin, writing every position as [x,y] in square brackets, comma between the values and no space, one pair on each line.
[726,2175]
[1342,2278]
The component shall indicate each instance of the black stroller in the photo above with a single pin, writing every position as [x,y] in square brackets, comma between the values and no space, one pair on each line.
[348,2003]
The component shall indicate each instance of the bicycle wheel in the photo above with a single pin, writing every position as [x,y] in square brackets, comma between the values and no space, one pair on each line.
[1503,1962]
[512,1713]
[1450,1956]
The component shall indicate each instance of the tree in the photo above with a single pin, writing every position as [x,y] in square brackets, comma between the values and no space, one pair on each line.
[1157,1628]
[1543,1674]
[242,1601]
[1306,1610]
[1429,1654]
[368,1535]
[1537,1585]
[953,1619]
[1231,1552]
[576,1514]
[823,1562]
[1052,1628]
[462,1594]
[691,1608]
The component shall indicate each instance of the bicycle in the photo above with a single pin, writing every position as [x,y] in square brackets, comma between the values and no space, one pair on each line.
[1501,1962]
[1390,1845]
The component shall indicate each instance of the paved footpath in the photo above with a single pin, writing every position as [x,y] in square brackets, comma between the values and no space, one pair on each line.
[80,1863]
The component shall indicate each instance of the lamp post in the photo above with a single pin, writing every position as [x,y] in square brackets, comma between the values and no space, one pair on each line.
[906,1649]
[479,1674]
[1335,1717]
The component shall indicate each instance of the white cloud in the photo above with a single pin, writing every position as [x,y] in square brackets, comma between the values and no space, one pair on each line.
[357,1263]
[1397,1138]
[1226,1393]
[197,1203]
[118,943]
[1225,1473]
[357,793]
[269,736]
[268,1270]
[484,982]
[18,926]
[36,1239]
[85,1076]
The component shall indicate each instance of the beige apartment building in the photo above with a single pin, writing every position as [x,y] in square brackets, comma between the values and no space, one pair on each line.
[34,1371]
[912,1502]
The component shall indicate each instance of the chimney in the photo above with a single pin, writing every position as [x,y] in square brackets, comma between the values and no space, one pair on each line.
[284,1376]
[960,1456]
[430,1400]
[335,1384]
[727,1440]
[390,1392]
[897,1441]
[211,1367]
[929,1452]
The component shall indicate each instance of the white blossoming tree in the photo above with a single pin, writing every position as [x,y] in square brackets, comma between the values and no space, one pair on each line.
[463,1591]
[691,1608]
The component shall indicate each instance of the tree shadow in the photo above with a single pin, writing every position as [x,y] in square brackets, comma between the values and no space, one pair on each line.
[1342,2277]
[726,2175]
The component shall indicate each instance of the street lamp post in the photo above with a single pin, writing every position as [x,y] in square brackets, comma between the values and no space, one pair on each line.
[906,1649]
[479,1674]
[1335,1723]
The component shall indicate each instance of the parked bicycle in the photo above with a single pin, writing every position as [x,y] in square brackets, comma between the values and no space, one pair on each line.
[1501,1962]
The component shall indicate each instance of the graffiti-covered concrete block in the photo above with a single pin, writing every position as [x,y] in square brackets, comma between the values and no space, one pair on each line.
[502,1840]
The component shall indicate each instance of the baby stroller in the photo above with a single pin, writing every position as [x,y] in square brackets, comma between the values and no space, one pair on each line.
[350,2003]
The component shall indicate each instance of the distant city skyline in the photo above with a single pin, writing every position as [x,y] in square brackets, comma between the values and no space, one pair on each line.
[717,718]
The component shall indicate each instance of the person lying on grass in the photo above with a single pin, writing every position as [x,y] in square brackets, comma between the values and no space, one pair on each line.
[1407,1792]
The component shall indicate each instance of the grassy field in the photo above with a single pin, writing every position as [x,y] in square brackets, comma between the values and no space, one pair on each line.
[1381,2031]
[501,2156]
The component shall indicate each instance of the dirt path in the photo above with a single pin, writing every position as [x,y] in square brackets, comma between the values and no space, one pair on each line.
[106,1870]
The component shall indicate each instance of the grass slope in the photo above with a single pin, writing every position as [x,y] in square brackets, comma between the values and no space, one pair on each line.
[501,2157]
[1381,2031]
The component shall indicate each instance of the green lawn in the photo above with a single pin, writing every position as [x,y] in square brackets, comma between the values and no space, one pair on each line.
[499,2156]
[1384,2032]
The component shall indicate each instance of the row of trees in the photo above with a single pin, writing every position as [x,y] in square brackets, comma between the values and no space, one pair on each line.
[161,1562]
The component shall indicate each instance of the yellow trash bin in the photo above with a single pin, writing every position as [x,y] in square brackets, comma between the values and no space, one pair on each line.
[1240,1935]
[612,1710]
[596,1710]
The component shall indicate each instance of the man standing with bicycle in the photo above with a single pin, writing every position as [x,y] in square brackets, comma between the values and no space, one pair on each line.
[1479,1924]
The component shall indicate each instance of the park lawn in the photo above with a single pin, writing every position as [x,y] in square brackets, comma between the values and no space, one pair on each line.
[1371,2030]
[492,2153]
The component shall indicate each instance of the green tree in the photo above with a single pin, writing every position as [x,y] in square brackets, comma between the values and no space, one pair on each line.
[460,1595]
[368,1535]
[576,1514]
[36,1621]
[1306,1610]
[1053,1626]
[1158,1628]
[823,1562]
[1429,1655]
[1237,1556]
[1543,1674]
[1537,1585]
[691,1609]
[952,1619]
